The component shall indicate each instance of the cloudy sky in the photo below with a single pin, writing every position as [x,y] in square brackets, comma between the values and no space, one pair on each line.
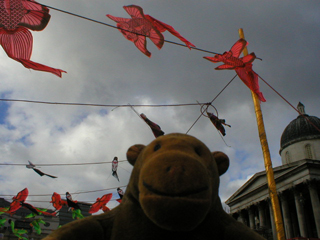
[105,68]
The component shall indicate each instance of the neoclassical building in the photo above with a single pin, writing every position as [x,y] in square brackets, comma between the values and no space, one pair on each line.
[297,181]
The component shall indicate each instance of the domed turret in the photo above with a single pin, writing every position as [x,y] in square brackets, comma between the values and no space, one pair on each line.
[301,138]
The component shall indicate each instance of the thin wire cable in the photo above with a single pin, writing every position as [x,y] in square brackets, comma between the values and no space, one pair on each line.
[109,25]
[56,164]
[99,105]
[83,192]
[290,104]
[208,104]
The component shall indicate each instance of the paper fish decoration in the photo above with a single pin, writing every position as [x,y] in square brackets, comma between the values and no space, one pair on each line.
[57,202]
[21,197]
[101,204]
[16,17]
[33,167]
[141,26]
[156,130]
[115,168]
[218,123]
[70,202]
[242,66]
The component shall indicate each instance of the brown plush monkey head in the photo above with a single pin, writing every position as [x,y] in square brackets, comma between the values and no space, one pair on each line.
[176,179]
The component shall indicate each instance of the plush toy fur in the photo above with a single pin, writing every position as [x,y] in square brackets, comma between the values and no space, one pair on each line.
[172,194]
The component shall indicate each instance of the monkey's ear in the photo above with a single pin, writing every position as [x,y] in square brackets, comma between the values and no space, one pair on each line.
[222,161]
[133,153]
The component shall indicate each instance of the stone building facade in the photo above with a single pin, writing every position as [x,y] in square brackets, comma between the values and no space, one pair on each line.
[297,181]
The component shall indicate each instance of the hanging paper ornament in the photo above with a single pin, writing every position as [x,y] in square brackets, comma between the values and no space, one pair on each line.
[20,233]
[39,212]
[141,26]
[36,225]
[115,168]
[76,214]
[21,197]
[16,17]
[57,202]
[101,204]
[71,203]
[33,167]
[218,123]
[75,208]
[242,66]
[120,192]
[4,210]
[2,222]
[156,130]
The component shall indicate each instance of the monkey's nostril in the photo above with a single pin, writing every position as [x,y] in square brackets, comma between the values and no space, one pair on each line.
[168,169]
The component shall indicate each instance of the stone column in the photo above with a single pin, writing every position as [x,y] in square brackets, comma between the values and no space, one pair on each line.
[240,218]
[273,225]
[286,216]
[315,205]
[251,217]
[262,214]
[300,214]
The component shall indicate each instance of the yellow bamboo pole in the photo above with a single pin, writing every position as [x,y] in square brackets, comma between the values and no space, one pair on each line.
[267,160]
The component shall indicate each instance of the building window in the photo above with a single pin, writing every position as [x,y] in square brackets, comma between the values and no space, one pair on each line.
[288,160]
[308,151]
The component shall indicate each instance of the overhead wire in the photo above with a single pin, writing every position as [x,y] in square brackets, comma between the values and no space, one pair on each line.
[99,105]
[56,164]
[79,192]
[307,119]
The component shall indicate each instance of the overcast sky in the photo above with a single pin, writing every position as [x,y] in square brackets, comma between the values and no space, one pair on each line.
[105,68]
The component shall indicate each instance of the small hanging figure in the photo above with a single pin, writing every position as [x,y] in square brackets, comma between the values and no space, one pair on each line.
[156,130]
[70,202]
[75,208]
[33,167]
[218,123]
[115,167]
[120,192]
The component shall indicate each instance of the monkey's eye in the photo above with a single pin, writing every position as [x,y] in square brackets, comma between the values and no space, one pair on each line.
[157,147]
